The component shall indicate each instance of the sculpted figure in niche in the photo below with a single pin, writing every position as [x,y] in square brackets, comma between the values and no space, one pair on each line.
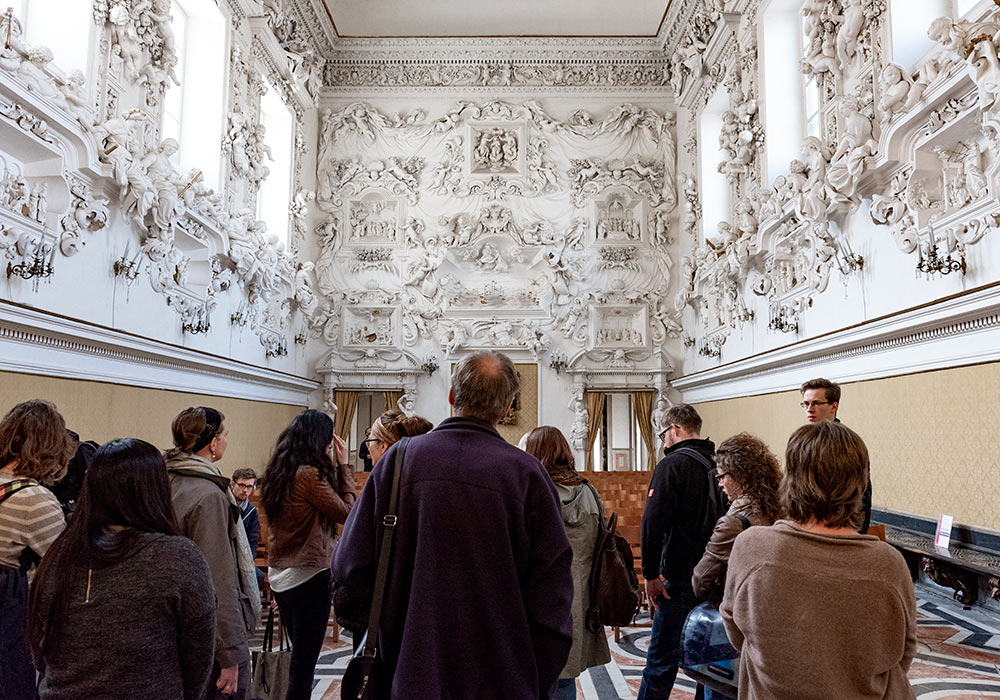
[856,147]
[124,36]
[975,179]
[808,177]
[852,21]
[899,91]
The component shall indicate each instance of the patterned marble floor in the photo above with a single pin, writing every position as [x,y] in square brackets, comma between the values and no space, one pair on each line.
[958,656]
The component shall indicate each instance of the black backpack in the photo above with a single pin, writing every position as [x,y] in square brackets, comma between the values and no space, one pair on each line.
[716,504]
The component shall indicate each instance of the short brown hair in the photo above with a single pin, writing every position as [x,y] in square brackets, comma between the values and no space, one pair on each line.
[195,427]
[244,473]
[548,445]
[483,386]
[394,424]
[826,472]
[33,437]
[832,388]
[684,415]
[747,459]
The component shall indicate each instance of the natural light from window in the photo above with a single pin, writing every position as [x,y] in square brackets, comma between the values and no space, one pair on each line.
[909,20]
[57,24]
[782,90]
[194,112]
[714,186]
[276,190]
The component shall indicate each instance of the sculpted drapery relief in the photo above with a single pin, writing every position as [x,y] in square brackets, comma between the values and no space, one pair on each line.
[504,214]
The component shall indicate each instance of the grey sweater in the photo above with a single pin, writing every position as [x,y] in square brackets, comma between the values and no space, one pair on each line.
[146,632]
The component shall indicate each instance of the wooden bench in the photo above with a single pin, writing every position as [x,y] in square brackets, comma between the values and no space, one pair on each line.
[972,554]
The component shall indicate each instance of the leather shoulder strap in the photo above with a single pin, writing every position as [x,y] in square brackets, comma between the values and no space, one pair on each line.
[698,456]
[389,521]
[744,520]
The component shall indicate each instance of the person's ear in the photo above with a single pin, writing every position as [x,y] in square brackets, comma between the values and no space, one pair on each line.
[451,396]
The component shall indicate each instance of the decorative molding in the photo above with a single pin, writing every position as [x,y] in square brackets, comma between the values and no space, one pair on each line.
[957,331]
[34,342]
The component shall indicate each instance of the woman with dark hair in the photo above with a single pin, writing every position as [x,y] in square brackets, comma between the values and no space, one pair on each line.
[389,428]
[121,567]
[583,511]
[207,514]
[34,450]
[809,597]
[749,473]
[304,496]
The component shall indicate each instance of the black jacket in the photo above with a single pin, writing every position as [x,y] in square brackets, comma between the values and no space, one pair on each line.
[672,532]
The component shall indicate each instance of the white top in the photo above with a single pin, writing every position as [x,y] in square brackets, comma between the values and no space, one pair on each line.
[281,580]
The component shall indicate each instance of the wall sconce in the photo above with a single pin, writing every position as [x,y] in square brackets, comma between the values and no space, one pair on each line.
[196,327]
[301,338]
[430,365]
[689,341]
[931,262]
[240,317]
[39,268]
[279,350]
[127,267]
[559,361]
[783,320]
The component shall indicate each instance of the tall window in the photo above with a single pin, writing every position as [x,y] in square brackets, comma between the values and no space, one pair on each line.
[276,190]
[790,103]
[714,186]
[194,112]
[61,25]
[619,445]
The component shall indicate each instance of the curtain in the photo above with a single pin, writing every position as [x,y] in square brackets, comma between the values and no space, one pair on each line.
[642,401]
[595,414]
[392,399]
[347,402]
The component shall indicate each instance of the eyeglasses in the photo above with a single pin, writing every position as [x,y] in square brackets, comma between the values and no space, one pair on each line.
[809,404]
[719,475]
[663,433]
[368,441]
[237,484]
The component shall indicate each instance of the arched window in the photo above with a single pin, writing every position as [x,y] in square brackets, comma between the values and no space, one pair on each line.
[714,185]
[194,112]
[61,25]
[276,189]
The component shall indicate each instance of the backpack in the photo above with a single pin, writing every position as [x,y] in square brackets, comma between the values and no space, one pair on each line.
[614,587]
[715,502]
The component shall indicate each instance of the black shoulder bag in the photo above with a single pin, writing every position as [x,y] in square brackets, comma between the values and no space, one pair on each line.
[365,673]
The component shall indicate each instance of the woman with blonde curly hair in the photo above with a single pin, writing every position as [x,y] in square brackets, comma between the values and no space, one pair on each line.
[34,450]
[749,474]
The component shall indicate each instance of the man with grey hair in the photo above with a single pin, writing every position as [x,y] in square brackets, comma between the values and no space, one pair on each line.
[479,591]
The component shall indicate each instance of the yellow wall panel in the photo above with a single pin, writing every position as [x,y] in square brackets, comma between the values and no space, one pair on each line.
[934,437]
[100,412]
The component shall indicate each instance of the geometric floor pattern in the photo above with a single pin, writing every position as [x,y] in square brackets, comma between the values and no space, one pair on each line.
[958,657]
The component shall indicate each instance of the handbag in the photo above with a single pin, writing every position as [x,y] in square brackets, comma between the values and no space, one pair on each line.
[364,677]
[270,669]
[614,587]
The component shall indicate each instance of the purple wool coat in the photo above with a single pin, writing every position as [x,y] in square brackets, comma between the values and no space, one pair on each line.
[479,595]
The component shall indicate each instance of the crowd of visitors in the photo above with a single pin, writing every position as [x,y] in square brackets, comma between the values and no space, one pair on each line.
[490,575]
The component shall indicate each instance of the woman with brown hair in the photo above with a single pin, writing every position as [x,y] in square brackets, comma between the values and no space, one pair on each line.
[352,606]
[749,473]
[809,597]
[207,514]
[583,512]
[389,428]
[34,450]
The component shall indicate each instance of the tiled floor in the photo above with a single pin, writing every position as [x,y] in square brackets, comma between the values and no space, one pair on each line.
[958,657]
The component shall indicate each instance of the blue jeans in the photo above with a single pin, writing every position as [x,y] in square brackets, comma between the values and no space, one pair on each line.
[565,689]
[664,654]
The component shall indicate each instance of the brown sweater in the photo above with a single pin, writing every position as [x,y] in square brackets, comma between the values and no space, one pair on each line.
[303,532]
[819,616]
